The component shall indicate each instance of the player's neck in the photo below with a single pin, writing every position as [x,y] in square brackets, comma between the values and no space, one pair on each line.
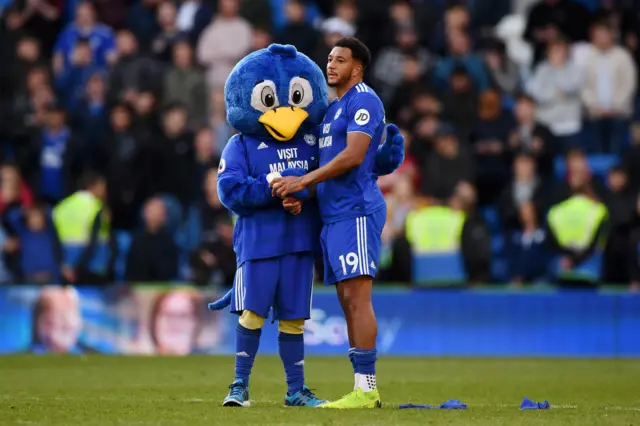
[341,90]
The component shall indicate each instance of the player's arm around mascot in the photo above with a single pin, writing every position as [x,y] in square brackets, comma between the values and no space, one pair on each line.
[275,98]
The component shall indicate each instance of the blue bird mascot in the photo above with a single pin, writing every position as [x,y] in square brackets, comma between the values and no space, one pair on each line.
[276,98]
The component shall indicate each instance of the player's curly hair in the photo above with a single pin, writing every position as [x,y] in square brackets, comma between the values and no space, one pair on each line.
[359,51]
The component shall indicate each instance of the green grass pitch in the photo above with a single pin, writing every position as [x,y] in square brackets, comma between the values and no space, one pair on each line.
[99,390]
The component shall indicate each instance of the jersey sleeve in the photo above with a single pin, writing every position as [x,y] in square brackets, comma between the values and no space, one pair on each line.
[366,113]
[238,191]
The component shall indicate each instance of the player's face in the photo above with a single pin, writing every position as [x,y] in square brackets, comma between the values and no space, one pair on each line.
[340,66]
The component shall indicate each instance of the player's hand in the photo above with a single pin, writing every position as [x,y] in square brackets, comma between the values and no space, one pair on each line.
[292,205]
[284,186]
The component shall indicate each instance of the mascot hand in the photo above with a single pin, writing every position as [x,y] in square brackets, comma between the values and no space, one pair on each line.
[391,152]
[221,303]
[300,195]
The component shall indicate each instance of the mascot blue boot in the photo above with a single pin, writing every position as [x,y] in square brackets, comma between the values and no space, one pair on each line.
[276,98]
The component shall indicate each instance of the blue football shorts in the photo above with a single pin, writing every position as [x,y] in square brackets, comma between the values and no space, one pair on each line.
[284,283]
[351,248]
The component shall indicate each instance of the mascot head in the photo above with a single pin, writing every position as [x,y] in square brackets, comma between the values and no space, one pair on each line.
[276,93]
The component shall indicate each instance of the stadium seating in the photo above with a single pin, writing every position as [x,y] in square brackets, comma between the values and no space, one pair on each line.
[438,268]
[598,163]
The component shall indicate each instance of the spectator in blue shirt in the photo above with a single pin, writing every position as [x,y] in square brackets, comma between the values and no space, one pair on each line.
[528,253]
[91,120]
[100,37]
[53,164]
[71,82]
[40,252]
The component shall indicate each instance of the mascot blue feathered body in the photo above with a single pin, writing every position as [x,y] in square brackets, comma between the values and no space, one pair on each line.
[276,98]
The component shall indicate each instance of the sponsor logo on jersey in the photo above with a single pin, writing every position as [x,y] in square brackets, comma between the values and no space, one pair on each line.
[362,117]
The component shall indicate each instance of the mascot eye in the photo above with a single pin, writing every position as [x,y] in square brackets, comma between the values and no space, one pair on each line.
[268,97]
[297,95]
[300,92]
[263,96]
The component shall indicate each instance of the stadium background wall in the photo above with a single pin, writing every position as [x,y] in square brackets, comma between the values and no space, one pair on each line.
[173,320]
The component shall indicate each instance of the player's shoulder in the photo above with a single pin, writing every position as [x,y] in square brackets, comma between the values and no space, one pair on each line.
[364,91]
[364,96]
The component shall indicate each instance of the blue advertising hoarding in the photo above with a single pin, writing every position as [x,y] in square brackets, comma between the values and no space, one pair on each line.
[152,320]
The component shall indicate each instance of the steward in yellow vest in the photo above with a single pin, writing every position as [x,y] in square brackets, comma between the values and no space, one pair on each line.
[83,226]
[435,229]
[577,235]
[445,231]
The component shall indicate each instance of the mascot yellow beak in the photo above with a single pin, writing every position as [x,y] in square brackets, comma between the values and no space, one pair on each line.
[282,123]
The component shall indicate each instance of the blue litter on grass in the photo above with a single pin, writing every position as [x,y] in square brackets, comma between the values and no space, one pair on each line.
[528,404]
[426,407]
[452,404]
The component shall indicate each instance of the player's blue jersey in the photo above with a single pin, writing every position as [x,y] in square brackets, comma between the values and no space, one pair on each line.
[264,229]
[356,192]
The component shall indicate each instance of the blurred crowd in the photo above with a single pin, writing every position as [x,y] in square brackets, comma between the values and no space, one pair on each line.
[521,120]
